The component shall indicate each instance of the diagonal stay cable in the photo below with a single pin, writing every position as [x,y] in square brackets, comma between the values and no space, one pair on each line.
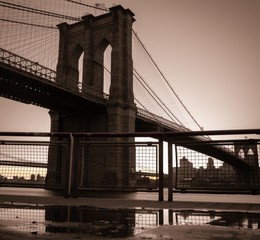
[152,94]
[167,81]
[153,115]
[156,98]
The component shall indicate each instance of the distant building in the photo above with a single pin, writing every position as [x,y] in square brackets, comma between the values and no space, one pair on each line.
[209,177]
[185,172]
[210,164]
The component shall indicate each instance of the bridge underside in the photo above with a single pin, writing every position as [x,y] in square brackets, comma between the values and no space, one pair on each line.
[33,90]
[193,143]
[220,154]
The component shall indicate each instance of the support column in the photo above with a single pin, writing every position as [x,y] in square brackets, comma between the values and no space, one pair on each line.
[170,172]
[161,175]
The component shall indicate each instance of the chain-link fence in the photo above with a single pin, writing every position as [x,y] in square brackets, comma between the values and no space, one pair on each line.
[117,164]
[79,164]
[23,162]
[32,162]
[195,170]
[74,163]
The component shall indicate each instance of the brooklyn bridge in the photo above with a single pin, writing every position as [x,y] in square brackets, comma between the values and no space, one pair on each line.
[100,85]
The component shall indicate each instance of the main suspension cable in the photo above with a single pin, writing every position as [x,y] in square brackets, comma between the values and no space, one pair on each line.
[37,11]
[28,24]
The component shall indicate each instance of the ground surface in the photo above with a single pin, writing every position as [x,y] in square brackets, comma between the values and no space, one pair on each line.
[160,233]
[13,230]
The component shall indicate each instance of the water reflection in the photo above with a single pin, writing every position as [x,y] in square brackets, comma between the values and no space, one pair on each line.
[113,223]
[228,219]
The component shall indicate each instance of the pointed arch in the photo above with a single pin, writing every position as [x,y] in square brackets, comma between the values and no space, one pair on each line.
[241,153]
[73,66]
[99,64]
[250,152]
[80,69]
[101,47]
[107,69]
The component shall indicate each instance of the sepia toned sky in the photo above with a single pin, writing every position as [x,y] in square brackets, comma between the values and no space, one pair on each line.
[207,49]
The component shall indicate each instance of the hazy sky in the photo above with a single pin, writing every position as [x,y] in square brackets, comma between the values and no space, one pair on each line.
[209,50]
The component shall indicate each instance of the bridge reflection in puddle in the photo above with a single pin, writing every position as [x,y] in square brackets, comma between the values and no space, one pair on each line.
[113,223]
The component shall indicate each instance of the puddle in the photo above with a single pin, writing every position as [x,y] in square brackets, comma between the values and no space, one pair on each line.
[115,223]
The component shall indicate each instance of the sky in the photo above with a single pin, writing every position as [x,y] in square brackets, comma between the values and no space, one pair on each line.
[208,50]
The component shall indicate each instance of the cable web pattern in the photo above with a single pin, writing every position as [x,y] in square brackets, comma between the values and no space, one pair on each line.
[23,162]
[29,29]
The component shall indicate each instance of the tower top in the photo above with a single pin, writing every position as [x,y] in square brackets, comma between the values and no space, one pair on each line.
[120,8]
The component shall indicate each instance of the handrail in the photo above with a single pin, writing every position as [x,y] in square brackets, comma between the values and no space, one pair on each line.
[137,134]
[33,68]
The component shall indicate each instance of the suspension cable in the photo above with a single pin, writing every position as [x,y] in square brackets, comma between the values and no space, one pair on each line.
[160,103]
[29,24]
[152,94]
[51,14]
[37,11]
[159,123]
[167,81]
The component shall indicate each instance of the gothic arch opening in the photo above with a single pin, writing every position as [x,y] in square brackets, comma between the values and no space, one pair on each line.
[241,154]
[80,69]
[75,69]
[250,152]
[107,69]
[103,66]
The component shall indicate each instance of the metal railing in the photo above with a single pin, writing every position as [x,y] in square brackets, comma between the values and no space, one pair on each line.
[54,163]
[73,162]
[34,69]
[197,171]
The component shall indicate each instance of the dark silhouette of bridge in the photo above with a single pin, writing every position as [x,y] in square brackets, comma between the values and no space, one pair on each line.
[23,81]
[83,106]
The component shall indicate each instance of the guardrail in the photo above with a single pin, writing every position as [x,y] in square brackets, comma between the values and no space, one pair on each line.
[187,170]
[30,68]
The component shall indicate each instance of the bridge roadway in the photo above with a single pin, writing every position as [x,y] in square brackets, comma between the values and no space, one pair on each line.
[28,82]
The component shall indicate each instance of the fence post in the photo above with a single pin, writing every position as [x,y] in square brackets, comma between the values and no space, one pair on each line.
[67,190]
[75,168]
[177,167]
[161,170]
[170,172]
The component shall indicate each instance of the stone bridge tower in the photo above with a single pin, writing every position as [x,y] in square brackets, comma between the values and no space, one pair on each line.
[248,179]
[91,36]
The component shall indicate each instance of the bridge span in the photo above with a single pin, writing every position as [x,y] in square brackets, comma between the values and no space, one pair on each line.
[28,82]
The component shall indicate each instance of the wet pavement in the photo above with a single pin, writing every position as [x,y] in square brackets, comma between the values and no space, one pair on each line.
[42,214]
